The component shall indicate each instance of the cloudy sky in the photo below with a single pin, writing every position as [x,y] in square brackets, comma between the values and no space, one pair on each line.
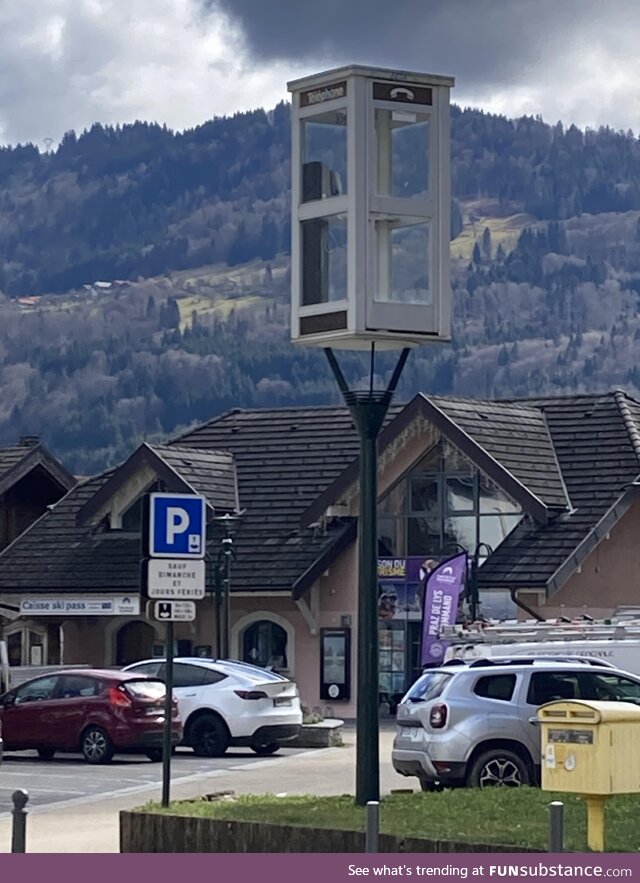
[67,63]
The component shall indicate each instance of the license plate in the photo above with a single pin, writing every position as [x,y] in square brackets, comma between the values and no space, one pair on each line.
[415,733]
[282,701]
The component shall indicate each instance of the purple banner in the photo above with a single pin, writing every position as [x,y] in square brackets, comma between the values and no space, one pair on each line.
[444,584]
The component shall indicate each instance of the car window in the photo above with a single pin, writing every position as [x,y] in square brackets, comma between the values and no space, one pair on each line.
[36,691]
[609,687]
[78,686]
[185,675]
[145,668]
[548,686]
[496,687]
[212,677]
[429,686]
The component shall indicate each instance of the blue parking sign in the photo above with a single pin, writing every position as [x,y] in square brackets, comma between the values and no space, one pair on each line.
[177,526]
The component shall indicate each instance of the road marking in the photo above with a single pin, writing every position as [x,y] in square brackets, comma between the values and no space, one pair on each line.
[175,781]
[37,790]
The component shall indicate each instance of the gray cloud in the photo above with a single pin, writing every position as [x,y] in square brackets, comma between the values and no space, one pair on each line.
[534,49]
[68,63]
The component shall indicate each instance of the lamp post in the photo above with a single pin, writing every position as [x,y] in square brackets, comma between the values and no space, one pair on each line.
[474,600]
[222,584]
[369,268]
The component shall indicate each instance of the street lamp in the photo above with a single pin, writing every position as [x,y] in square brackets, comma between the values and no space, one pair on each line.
[369,267]
[222,582]
[474,600]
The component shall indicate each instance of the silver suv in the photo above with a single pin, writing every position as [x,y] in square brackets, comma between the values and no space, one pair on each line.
[475,723]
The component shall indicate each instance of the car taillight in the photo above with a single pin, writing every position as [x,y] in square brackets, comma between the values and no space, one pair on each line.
[118,698]
[251,694]
[438,716]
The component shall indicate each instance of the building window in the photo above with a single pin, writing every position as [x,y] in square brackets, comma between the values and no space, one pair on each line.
[264,643]
[27,645]
[443,504]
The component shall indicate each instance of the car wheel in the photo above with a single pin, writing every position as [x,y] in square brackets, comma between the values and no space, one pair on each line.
[265,748]
[46,753]
[208,736]
[154,755]
[499,768]
[96,746]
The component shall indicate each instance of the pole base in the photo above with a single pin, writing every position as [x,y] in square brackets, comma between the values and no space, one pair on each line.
[595,820]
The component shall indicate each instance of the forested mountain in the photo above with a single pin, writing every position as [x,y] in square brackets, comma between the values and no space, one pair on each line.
[145,276]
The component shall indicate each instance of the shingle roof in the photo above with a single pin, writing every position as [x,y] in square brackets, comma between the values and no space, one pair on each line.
[9,457]
[517,437]
[55,554]
[596,444]
[289,457]
[210,473]
[19,460]
[285,458]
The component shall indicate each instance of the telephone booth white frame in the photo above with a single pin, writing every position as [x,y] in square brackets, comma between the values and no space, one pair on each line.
[351,297]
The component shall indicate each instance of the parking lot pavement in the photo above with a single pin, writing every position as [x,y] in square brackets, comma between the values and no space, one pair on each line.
[70,778]
[90,823]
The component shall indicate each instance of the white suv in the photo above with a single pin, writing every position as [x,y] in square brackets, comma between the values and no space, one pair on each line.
[224,703]
[475,724]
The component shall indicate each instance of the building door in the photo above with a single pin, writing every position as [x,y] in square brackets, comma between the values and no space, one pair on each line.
[134,641]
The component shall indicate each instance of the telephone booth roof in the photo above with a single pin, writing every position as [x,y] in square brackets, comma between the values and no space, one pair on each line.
[362,70]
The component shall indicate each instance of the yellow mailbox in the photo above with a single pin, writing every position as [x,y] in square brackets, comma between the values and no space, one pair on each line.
[592,749]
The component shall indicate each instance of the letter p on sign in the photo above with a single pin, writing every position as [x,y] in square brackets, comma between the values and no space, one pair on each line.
[177,522]
[177,525]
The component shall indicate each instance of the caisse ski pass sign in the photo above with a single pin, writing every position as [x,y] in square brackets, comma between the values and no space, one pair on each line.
[442,591]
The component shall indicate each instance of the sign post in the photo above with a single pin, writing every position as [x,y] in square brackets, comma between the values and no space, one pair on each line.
[168,714]
[173,572]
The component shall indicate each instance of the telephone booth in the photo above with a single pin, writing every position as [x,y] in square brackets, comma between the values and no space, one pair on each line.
[370,208]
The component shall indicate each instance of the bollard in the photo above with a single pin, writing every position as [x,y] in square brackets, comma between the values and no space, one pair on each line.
[556,826]
[372,826]
[19,827]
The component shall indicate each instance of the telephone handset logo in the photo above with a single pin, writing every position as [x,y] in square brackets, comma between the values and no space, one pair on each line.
[400,92]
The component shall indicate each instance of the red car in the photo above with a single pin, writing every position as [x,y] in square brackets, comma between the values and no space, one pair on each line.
[95,712]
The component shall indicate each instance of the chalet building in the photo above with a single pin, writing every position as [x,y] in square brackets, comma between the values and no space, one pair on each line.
[542,493]
[31,480]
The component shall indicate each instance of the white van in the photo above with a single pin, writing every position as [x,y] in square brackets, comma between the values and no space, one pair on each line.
[624,654]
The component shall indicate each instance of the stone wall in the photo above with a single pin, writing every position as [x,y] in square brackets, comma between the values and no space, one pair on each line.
[155,832]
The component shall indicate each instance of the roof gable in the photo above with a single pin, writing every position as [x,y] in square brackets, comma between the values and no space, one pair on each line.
[19,460]
[596,440]
[509,441]
[191,471]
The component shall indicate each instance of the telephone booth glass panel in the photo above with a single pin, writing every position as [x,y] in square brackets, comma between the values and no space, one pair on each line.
[324,169]
[403,153]
[324,260]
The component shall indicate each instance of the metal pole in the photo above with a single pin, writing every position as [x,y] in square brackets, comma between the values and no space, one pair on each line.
[474,587]
[167,747]
[218,610]
[368,410]
[19,827]
[372,829]
[556,826]
[227,600]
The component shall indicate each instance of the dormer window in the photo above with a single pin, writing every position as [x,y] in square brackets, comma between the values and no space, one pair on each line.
[131,518]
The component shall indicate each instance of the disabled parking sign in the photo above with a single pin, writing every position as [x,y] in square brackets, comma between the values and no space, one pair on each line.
[177,526]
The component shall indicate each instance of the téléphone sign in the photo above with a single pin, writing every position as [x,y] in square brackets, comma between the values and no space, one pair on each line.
[119,605]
